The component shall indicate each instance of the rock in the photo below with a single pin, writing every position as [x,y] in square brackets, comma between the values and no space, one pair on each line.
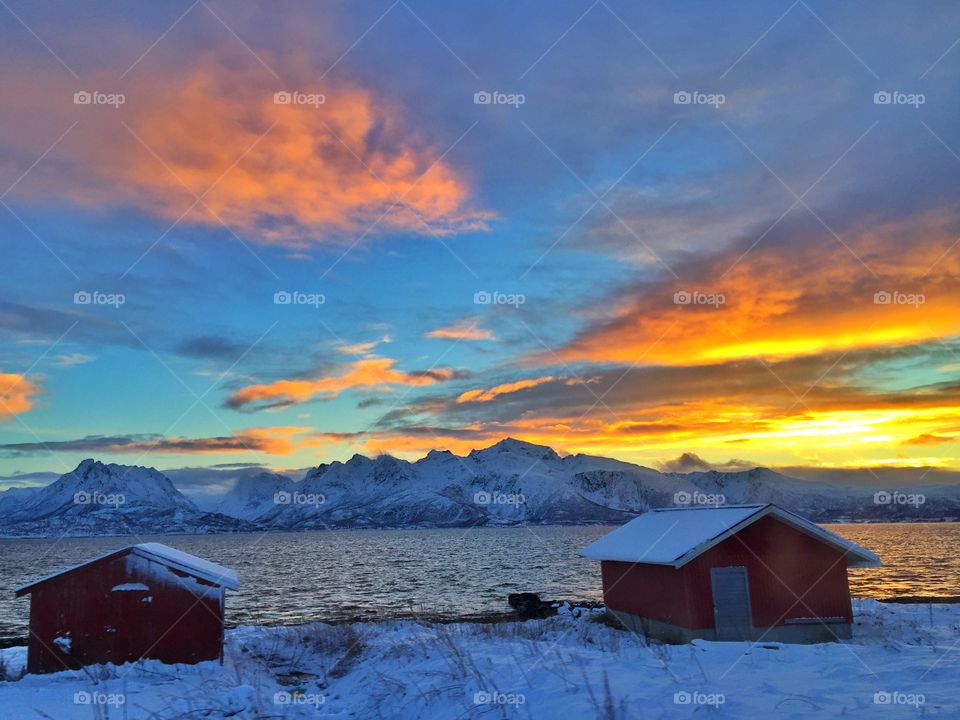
[529,606]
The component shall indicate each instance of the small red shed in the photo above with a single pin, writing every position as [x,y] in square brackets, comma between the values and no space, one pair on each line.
[144,601]
[748,572]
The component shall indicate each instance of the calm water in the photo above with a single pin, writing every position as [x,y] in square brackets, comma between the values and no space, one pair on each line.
[298,577]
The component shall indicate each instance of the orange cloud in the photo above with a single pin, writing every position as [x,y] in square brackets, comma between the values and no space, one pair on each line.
[16,394]
[785,301]
[290,173]
[365,373]
[462,330]
[489,394]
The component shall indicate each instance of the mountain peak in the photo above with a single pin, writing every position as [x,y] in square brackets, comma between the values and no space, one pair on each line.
[520,447]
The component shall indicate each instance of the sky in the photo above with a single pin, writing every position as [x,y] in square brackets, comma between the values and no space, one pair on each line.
[671,232]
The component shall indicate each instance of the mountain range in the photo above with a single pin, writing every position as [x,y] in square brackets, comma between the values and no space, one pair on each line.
[511,482]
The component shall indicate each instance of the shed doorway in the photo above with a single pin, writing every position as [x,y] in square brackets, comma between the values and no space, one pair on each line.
[731,603]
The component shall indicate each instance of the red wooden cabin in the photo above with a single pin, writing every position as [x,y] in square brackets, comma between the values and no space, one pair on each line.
[749,572]
[144,601]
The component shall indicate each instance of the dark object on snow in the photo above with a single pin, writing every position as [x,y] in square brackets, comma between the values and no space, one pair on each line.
[144,601]
[529,606]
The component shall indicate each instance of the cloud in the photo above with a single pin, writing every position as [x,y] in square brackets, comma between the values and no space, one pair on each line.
[269,440]
[798,293]
[212,347]
[691,462]
[17,394]
[366,373]
[462,330]
[486,395]
[71,359]
[209,126]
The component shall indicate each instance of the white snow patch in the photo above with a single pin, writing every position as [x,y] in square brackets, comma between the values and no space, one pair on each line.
[129,587]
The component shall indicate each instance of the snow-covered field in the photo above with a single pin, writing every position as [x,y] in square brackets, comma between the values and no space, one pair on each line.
[903,662]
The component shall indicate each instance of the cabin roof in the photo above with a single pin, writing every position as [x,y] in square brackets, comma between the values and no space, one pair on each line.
[163,554]
[675,536]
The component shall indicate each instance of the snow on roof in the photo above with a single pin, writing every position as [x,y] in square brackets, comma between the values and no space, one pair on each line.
[675,536]
[177,559]
[191,564]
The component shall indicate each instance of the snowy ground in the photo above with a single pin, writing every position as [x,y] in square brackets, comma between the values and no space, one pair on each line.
[903,662]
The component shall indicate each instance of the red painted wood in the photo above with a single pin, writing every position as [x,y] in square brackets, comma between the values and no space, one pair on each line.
[181,623]
[782,564]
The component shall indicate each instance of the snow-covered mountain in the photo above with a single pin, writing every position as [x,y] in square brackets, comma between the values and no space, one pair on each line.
[99,499]
[511,482]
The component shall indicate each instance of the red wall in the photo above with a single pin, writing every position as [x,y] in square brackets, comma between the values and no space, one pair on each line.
[182,622]
[782,563]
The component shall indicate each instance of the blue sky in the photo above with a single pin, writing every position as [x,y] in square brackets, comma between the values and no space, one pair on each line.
[797,198]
